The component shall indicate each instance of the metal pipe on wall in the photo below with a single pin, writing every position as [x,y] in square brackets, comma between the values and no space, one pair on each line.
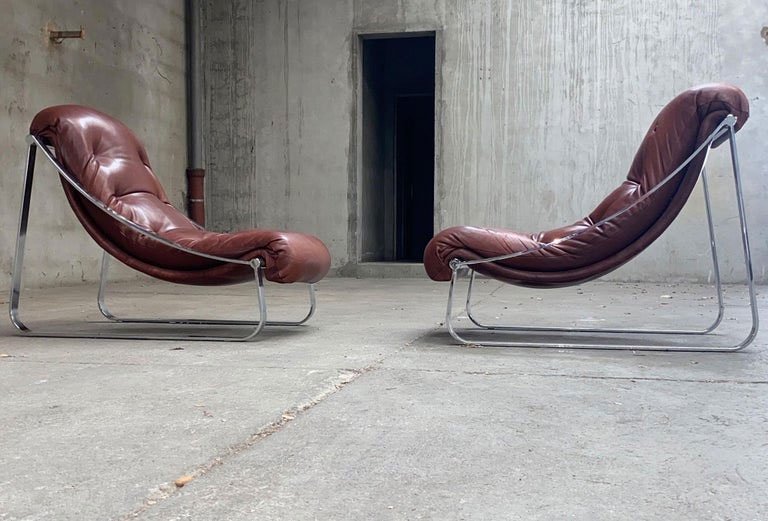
[195,163]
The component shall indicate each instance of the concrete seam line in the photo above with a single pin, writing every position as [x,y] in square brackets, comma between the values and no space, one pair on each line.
[7,358]
[168,489]
[583,377]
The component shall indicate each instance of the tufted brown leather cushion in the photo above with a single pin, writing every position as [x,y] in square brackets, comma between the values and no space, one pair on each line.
[112,165]
[681,126]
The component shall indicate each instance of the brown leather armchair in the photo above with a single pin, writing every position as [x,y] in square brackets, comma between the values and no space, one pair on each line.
[115,195]
[665,170]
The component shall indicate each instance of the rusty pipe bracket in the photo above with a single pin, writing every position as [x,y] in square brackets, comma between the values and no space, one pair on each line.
[196,195]
[60,36]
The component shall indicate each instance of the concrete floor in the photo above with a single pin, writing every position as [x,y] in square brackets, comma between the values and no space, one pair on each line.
[372,412]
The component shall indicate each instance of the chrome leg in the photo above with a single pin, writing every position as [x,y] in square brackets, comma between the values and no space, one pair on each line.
[258,273]
[105,311]
[468,303]
[713,249]
[100,300]
[21,238]
[256,325]
[744,239]
[455,273]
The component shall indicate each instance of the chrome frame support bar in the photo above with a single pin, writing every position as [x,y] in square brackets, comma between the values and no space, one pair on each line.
[744,239]
[255,326]
[713,250]
[105,311]
[458,267]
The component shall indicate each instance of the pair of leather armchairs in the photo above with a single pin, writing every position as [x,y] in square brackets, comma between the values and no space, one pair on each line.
[114,193]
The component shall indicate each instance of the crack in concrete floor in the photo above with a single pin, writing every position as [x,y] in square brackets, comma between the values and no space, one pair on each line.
[166,490]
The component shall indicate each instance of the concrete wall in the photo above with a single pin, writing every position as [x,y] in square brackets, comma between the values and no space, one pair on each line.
[130,65]
[280,108]
[541,106]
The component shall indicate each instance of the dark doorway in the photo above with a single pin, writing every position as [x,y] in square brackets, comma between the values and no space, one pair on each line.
[398,102]
[414,175]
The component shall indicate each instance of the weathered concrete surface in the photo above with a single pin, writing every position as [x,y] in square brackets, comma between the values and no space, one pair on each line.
[540,107]
[371,412]
[99,429]
[130,65]
[427,445]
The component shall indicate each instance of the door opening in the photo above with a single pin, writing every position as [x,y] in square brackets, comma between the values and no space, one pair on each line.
[398,147]
[414,175]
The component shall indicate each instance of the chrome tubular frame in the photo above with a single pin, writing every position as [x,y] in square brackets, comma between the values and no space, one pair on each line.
[254,327]
[726,128]
[105,311]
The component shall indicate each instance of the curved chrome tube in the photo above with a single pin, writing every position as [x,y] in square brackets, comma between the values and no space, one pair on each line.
[724,127]
[105,311]
[21,239]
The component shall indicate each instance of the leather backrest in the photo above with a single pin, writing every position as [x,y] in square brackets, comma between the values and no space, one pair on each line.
[681,126]
[105,156]
[112,165]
